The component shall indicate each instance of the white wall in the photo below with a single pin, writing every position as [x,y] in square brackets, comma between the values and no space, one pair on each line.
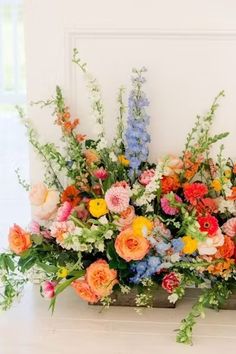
[188,46]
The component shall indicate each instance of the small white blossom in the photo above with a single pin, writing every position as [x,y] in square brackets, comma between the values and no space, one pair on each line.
[113,157]
[173,298]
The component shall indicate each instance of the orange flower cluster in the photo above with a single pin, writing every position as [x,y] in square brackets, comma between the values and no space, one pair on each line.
[64,120]
[191,165]
[221,268]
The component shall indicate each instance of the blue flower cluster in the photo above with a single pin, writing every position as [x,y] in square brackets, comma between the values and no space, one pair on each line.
[155,263]
[136,135]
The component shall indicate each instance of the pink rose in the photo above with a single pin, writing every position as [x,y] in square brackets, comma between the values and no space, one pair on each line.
[146,177]
[64,211]
[48,289]
[170,282]
[100,173]
[38,194]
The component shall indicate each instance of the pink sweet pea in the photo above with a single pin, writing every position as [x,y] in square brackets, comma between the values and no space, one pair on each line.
[48,289]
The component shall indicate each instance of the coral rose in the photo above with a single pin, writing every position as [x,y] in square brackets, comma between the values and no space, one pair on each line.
[19,239]
[172,165]
[101,278]
[84,291]
[38,194]
[227,249]
[130,246]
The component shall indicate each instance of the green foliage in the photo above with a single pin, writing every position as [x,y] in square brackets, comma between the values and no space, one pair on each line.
[213,297]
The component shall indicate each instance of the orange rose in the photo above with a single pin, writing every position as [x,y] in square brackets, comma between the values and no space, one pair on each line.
[131,247]
[84,291]
[101,278]
[227,249]
[19,239]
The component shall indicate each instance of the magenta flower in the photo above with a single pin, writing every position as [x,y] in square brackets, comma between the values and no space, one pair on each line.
[166,205]
[48,289]
[100,173]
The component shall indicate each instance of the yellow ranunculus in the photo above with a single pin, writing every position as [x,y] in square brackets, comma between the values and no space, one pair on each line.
[98,207]
[190,244]
[123,160]
[217,185]
[142,226]
[62,272]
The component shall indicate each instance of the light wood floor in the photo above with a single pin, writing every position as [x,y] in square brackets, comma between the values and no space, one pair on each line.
[76,328]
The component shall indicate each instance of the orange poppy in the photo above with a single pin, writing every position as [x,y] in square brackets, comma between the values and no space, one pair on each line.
[72,195]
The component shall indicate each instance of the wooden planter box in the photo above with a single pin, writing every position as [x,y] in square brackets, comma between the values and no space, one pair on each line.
[160,299]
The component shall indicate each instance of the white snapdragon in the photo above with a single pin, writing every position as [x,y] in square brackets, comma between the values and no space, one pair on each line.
[113,157]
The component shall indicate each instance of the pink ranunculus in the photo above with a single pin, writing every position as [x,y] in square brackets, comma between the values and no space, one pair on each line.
[100,173]
[34,227]
[166,205]
[82,212]
[48,289]
[146,177]
[170,282]
[64,211]
[38,194]
[117,199]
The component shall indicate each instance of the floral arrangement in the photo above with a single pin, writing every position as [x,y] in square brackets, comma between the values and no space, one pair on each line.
[105,219]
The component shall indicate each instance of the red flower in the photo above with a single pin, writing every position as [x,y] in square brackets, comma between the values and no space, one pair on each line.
[207,206]
[72,195]
[209,224]
[170,282]
[195,191]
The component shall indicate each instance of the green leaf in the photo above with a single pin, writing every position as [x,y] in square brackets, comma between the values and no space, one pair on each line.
[37,239]
[48,268]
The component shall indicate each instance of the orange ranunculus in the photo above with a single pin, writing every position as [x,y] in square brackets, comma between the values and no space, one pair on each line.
[170,183]
[91,156]
[84,291]
[72,195]
[101,278]
[19,239]
[227,249]
[131,247]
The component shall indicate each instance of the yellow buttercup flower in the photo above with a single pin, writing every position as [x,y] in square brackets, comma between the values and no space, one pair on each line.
[227,173]
[62,272]
[190,244]
[98,207]
[217,185]
[123,160]
[142,226]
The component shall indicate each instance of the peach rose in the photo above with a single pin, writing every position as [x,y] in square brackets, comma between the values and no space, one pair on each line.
[209,246]
[131,247]
[84,291]
[19,239]
[126,218]
[101,278]
[38,194]
[172,165]
[48,209]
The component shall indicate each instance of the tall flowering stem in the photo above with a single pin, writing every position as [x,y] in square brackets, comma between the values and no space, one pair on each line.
[137,138]
[95,95]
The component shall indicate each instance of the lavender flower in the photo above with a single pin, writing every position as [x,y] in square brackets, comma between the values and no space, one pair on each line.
[137,138]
